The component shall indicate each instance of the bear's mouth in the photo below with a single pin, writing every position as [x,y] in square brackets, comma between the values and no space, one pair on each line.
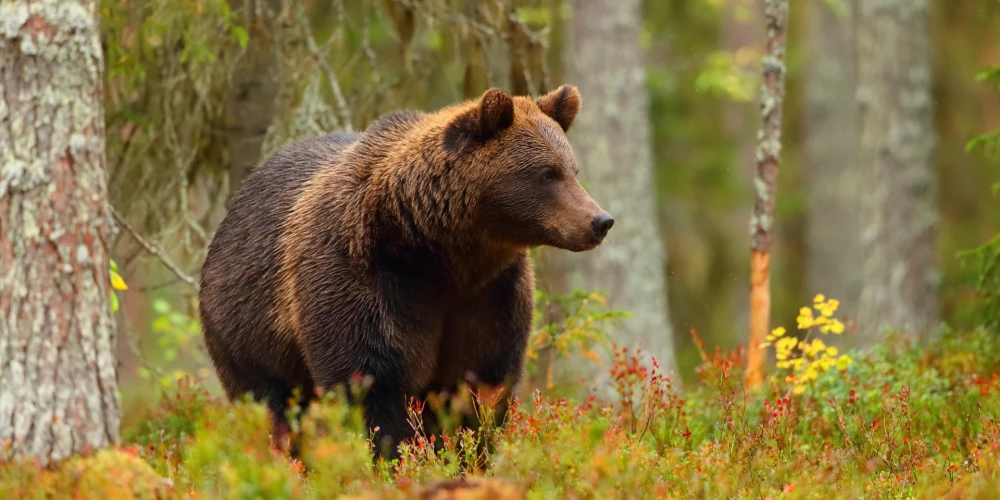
[591,242]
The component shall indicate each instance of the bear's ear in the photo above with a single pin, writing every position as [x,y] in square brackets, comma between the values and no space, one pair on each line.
[493,114]
[562,105]
[496,112]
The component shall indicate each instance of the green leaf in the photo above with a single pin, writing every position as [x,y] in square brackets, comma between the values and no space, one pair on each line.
[433,40]
[241,36]
[114,302]
[982,140]
[161,324]
[177,318]
[839,7]
[533,15]
[161,306]
[988,74]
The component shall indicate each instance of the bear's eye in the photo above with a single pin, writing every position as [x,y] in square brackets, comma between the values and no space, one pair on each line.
[550,174]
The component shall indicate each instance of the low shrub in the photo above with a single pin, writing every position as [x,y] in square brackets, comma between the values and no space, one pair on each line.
[898,420]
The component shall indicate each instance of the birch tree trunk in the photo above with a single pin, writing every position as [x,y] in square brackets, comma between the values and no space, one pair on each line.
[772,96]
[834,177]
[897,146]
[58,387]
[611,138]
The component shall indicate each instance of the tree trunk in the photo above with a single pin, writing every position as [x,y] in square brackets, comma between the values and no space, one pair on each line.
[58,387]
[834,177]
[250,103]
[897,145]
[611,138]
[772,95]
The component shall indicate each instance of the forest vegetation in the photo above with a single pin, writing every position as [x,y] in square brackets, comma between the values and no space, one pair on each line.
[800,298]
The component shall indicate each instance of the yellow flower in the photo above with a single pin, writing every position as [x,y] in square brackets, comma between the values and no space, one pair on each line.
[775,334]
[117,282]
[805,319]
[783,349]
[837,327]
[832,351]
[823,364]
[833,325]
[783,364]
[843,362]
[829,307]
[814,348]
[799,389]
[819,298]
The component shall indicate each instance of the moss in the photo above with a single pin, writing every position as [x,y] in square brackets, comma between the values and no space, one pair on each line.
[107,475]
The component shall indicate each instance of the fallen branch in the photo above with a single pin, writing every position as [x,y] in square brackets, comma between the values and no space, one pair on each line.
[338,95]
[155,250]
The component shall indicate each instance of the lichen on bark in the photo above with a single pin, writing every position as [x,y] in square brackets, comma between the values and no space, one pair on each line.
[772,95]
[831,150]
[899,216]
[611,138]
[58,385]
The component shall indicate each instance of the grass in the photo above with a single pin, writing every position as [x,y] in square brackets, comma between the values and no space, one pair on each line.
[899,421]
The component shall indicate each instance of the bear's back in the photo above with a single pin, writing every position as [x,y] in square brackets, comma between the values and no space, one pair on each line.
[239,278]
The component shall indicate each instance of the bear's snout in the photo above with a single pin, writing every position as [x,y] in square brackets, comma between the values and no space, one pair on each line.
[602,224]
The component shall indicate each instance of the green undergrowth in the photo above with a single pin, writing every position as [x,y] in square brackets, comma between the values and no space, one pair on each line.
[900,421]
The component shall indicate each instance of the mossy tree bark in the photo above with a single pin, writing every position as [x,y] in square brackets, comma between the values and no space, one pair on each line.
[611,138]
[834,177]
[58,386]
[899,215]
[772,96]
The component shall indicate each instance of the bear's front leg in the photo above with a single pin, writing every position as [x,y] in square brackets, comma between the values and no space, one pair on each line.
[492,329]
[335,357]
[384,403]
[386,416]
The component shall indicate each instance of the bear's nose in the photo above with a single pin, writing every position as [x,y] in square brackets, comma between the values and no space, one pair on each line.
[602,224]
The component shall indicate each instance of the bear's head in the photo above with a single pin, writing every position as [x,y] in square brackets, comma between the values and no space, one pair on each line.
[517,153]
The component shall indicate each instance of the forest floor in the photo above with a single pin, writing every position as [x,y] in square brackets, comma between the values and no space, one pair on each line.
[898,421]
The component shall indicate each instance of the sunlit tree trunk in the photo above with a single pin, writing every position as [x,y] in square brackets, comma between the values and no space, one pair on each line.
[765,181]
[834,177]
[899,217]
[611,138]
[58,385]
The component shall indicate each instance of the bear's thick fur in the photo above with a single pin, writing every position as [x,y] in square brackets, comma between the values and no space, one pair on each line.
[400,253]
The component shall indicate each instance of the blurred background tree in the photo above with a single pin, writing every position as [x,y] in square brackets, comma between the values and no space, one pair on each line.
[198,91]
[612,141]
[899,199]
[830,116]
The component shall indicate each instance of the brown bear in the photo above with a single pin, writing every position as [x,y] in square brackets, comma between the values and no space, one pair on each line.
[400,253]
